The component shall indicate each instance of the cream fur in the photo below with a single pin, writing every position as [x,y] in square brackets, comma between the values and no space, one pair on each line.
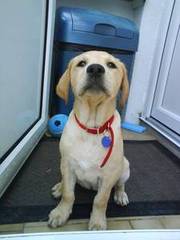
[81,152]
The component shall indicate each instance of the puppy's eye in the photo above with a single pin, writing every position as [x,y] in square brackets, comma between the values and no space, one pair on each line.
[81,64]
[111,65]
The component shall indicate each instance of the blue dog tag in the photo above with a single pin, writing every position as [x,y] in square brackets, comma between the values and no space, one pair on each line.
[106,141]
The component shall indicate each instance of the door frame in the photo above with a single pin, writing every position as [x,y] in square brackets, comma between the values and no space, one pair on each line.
[159,110]
[16,158]
[155,69]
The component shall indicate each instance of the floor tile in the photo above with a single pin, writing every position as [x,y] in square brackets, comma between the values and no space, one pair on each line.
[171,222]
[69,226]
[11,228]
[118,225]
[80,225]
[146,224]
[122,223]
[129,135]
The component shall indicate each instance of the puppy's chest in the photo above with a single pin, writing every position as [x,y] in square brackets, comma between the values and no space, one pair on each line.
[87,151]
[85,159]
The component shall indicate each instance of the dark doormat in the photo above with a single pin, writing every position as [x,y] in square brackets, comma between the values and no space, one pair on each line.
[153,187]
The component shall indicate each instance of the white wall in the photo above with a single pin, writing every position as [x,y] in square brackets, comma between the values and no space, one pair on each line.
[117,7]
[150,27]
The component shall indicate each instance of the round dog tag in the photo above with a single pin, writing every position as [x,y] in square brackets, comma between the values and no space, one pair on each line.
[106,141]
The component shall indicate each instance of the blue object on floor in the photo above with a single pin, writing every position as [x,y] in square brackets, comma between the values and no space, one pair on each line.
[133,127]
[57,123]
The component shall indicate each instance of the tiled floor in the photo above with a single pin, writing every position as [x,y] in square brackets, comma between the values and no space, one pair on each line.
[146,136]
[153,222]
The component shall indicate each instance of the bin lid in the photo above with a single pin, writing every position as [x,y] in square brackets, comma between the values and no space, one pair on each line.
[95,28]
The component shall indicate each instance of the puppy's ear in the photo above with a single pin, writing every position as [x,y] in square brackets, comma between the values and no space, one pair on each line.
[124,87]
[62,88]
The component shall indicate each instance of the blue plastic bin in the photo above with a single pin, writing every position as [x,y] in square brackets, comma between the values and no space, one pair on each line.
[78,30]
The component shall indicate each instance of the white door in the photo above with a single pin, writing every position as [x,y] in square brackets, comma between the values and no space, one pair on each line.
[26,33]
[166,105]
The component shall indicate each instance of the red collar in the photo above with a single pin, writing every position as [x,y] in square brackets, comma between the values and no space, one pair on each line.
[105,127]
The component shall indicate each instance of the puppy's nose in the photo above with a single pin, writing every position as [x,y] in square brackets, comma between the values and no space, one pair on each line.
[95,69]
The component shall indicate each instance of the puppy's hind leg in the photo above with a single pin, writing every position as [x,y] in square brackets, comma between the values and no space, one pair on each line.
[120,196]
[57,190]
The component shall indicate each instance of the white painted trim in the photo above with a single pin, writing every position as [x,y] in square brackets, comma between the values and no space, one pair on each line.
[11,165]
[159,110]
[168,135]
[156,62]
[48,58]
[153,28]
[153,77]
[98,235]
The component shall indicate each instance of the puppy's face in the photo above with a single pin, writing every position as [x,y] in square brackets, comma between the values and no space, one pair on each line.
[94,74]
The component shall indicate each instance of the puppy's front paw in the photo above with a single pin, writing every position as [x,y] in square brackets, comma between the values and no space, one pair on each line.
[57,190]
[121,198]
[97,223]
[57,217]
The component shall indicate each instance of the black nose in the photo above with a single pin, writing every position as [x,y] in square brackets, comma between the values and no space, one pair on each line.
[95,69]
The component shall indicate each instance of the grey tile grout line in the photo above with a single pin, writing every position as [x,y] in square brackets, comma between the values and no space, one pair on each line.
[164,226]
[130,224]
[23,227]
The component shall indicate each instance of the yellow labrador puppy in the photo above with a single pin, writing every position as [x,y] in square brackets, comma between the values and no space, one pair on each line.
[91,145]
